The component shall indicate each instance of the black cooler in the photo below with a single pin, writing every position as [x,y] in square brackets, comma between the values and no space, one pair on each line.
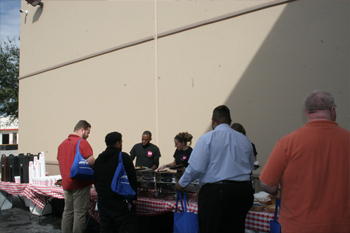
[4,168]
[24,166]
[13,167]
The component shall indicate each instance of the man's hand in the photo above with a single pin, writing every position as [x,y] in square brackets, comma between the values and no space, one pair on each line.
[179,187]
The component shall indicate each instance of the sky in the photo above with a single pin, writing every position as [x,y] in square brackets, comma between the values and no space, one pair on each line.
[10,19]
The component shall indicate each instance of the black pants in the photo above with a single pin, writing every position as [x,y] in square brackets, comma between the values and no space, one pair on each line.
[224,207]
[116,217]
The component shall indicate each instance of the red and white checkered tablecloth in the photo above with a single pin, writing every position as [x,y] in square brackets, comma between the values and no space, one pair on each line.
[13,188]
[259,221]
[92,206]
[38,194]
[153,206]
[147,204]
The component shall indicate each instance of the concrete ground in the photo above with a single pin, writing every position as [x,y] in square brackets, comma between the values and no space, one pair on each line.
[17,219]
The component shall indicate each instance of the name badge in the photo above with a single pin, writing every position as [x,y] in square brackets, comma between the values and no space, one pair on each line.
[149,153]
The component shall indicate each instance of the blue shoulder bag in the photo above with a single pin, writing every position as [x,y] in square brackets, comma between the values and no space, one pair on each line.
[185,221]
[120,182]
[80,167]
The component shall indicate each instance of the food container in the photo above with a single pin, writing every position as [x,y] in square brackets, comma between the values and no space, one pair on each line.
[265,203]
[257,206]
[146,179]
[167,177]
[273,200]
[271,208]
[263,197]
[147,175]
[166,187]
[193,186]
[166,180]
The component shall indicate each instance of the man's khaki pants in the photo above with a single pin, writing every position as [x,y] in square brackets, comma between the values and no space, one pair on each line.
[76,206]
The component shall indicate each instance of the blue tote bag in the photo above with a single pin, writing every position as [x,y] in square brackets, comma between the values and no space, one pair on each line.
[275,227]
[185,222]
[80,167]
[120,182]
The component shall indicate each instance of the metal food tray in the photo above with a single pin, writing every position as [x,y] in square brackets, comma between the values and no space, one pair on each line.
[193,186]
[146,179]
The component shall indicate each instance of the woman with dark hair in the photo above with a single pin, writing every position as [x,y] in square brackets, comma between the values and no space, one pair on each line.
[239,128]
[182,153]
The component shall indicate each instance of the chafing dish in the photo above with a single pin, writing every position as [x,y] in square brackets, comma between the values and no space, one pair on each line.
[146,175]
[193,186]
[146,179]
[168,177]
[166,181]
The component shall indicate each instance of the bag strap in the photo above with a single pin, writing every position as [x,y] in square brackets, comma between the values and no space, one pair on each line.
[120,159]
[183,202]
[178,196]
[278,203]
[78,146]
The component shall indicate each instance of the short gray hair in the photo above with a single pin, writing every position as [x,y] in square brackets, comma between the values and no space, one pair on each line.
[318,100]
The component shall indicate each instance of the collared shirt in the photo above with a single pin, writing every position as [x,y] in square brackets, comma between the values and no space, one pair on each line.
[65,157]
[221,154]
[312,165]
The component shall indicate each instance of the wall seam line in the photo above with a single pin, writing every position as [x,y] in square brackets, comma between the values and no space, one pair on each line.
[163,34]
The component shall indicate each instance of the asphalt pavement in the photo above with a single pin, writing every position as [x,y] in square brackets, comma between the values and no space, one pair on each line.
[18,219]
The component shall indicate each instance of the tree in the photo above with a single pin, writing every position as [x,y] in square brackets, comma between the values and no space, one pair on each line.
[9,72]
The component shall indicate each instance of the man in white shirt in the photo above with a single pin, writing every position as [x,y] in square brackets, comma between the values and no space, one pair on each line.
[222,160]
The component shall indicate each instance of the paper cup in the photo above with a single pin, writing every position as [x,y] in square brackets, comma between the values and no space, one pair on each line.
[17,179]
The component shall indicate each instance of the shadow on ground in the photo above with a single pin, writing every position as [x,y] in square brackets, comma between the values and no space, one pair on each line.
[17,219]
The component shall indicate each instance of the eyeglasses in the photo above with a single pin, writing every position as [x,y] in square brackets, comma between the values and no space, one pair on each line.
[331,107]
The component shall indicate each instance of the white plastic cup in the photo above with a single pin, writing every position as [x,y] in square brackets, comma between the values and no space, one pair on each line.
[48,180]
[17,179]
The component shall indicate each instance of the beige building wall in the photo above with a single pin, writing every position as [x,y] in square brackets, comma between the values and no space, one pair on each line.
[260,64]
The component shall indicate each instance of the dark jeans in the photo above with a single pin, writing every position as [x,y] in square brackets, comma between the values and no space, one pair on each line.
[116,217]
[224,207]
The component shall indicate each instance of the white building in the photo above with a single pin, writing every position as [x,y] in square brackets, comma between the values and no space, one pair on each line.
[8,136]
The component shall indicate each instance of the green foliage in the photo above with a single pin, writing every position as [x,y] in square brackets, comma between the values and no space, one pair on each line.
[9,72]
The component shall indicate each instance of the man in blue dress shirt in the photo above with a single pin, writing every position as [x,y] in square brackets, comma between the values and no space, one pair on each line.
[222,160]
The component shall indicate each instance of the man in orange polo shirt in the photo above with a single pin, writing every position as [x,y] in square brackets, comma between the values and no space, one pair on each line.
[312,166]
